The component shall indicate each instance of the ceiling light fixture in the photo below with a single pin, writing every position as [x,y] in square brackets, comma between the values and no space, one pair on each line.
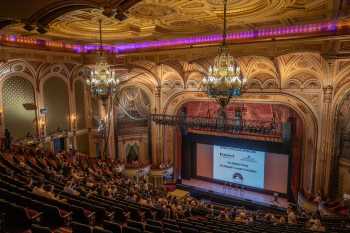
[102,80]
[103,84]
[224,79]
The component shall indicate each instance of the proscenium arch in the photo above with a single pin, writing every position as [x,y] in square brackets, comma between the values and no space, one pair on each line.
[310,160]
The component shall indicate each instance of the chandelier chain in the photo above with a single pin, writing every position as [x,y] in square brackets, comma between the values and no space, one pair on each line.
[225,24]
[100,29]
[225,79]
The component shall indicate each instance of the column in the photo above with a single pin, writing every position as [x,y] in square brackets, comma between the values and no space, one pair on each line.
[326,155]
[111,136]
[156,129]
[89,123]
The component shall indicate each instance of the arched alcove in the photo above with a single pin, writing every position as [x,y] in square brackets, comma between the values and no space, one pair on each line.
[56,100]
[132,125]
[342,148]
[19,106]
[80,104]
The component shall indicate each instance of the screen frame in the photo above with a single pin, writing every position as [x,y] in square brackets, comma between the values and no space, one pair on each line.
[189,156]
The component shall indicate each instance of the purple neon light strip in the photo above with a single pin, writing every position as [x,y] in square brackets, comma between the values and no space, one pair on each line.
[251,34]
[330,26]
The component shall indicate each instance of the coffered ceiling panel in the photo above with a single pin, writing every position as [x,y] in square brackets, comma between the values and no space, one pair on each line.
[158,19]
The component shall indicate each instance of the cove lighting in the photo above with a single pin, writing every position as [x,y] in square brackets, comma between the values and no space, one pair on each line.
[296,30]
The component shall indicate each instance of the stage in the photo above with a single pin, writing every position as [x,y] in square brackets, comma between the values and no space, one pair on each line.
[258,198]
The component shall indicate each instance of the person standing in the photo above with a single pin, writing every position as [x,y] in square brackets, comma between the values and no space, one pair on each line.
[8,140]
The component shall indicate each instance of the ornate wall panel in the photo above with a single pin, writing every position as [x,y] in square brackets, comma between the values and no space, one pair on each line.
[83,143]
[56,100]
[80,104]
[17,91]
[132,123]
[342,149]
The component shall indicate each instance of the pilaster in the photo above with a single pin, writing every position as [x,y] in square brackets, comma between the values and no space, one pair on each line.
[156,129]
[325,160]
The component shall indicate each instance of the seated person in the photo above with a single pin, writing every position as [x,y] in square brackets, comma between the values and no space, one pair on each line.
[50,193]
[317,226]
[69,188]
[292,218]
[39,190]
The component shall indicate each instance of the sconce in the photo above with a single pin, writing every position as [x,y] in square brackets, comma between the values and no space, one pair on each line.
[73,119]
[41,124]
[1,111]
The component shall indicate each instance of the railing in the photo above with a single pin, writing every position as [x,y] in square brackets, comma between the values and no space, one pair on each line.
[232,126]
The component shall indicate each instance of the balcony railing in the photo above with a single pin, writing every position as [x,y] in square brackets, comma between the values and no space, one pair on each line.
[231,126]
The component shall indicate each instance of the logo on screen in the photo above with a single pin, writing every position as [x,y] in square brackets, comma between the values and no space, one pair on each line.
[249,159]
[227,155]
[237,176]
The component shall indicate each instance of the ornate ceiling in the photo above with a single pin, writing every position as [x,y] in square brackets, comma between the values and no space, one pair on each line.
[156,19]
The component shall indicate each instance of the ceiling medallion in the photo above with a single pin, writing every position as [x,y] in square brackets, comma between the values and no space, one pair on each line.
[224,79]
[152,11]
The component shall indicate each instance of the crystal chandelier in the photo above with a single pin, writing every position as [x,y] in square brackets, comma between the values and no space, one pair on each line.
[224,79]
[102,80]
[103,84]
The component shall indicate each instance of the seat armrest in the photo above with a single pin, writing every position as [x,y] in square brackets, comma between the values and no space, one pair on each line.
[36,216]
[92,218]
[67,215]
[92,214]
[110,215]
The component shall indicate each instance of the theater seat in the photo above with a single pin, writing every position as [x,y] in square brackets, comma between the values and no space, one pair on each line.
[135,224]
[39,229]
[80,228]
[112,226]
[171,226]
[18,217]
[188,230]
[101,230]
[154,229]
[131,230]
[154,222]
[167,230]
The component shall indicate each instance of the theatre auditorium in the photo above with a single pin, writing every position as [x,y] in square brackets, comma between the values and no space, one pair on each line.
[174,116]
